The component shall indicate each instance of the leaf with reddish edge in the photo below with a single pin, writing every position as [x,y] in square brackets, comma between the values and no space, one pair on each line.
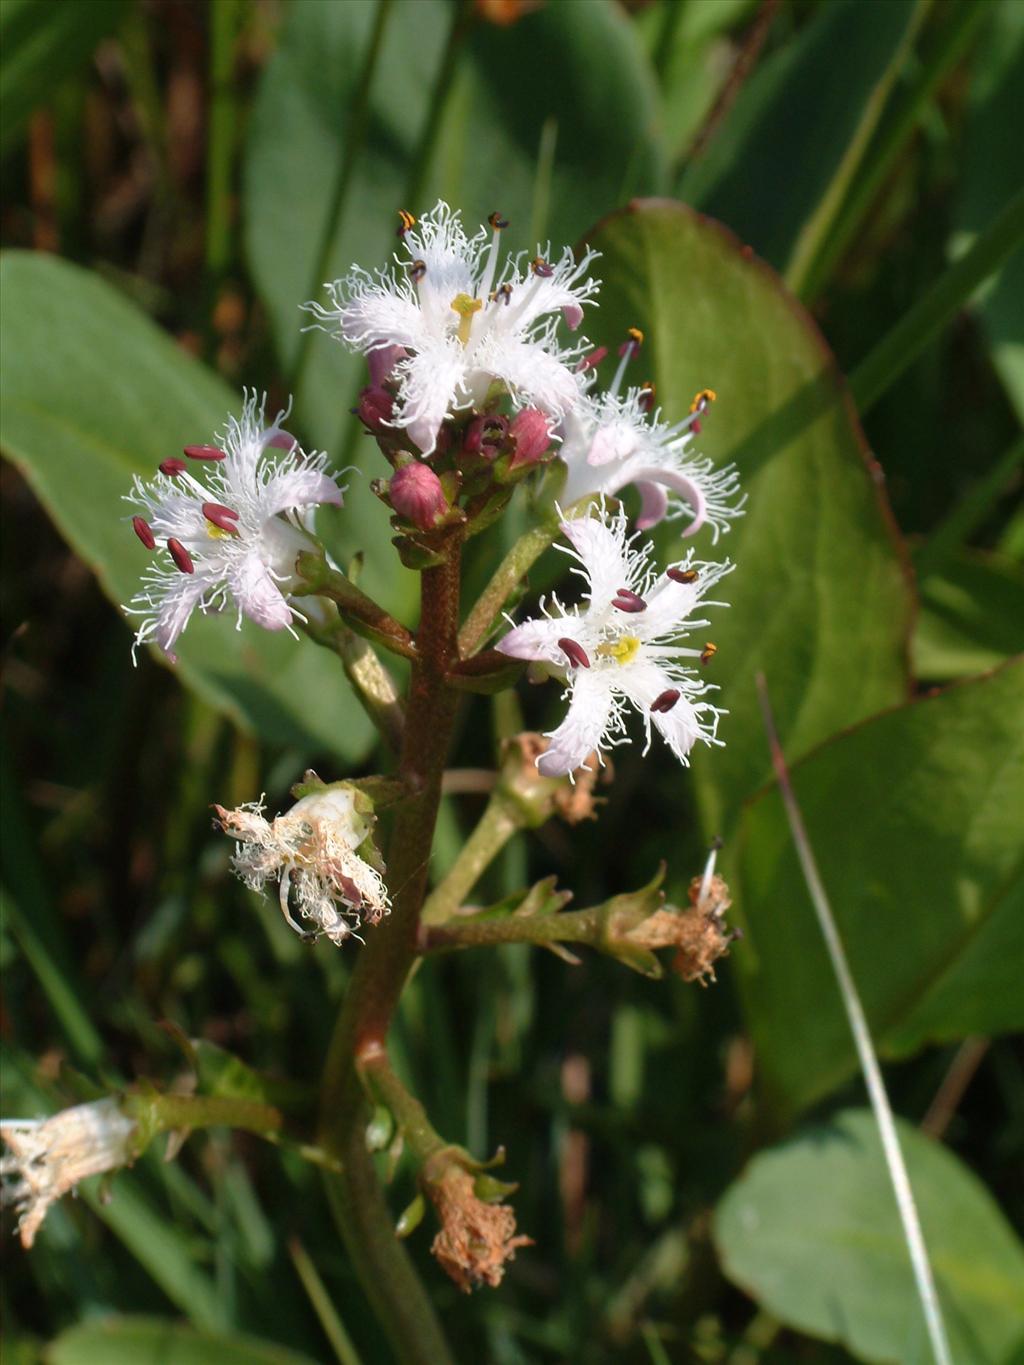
[821,597]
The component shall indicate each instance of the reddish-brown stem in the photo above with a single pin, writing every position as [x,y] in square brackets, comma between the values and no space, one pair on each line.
[379,1258]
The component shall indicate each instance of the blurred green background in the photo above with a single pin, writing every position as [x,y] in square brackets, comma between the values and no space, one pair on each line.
[179,177]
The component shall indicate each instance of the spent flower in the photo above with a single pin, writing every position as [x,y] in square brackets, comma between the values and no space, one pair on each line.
[321,856]
[450,319]
[48,1157]
[622,647]
[232,535]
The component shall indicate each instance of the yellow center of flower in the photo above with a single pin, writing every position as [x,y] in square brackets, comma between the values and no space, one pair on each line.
[216,532]
[623,651]
[466,307]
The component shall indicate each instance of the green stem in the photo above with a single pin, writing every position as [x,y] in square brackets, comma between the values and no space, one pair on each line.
[574,926]
[358,610]
[354,140]
[167,1112]
[358,1202]
[517,563]
[880,369]
[502,818]
[421,1138]
[323,1307]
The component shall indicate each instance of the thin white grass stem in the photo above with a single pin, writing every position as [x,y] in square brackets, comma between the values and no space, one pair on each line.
[865,1049]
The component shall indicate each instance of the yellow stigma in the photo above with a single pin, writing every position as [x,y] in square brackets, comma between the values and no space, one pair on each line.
[216,533]
[623,651]
[466,307]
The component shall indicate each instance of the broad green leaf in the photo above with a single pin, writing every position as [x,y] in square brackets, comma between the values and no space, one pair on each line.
[970,619]
[93,392]
[772,162]
[990,166]
[159,1341]
[819,597]
[812,1233]
[592,102]
[42,42]
[915,820]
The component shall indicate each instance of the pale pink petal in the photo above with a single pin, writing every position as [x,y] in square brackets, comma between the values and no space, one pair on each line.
[538,639]
[258,595]
[584,727]
[295,488]
[653,504]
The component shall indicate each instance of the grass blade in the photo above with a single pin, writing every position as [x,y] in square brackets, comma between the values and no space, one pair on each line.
[923,1276]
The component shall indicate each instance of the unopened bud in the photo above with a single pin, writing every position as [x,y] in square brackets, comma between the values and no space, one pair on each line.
[375,408]
[417,495]
[531,431]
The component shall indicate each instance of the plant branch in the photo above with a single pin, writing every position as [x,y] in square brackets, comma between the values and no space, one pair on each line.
[357,609]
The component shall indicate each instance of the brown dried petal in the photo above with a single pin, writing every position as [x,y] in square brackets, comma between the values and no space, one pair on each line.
[476,1239]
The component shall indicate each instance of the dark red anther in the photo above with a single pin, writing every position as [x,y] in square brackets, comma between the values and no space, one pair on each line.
[497,222]
[181,556]
[503,294]
[172,467]
[627,600]
[590,361]
[417,270]
[667,700]
[541,267]
[144,531]
[204,453]
[682,575]
[220,516]
[695,426]
[574,652]
[647,396]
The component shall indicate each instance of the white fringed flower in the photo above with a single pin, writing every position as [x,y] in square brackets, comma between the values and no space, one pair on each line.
[235,535]
[611,441]
[449,324]
[48,1157]
[621,647]
[311,852]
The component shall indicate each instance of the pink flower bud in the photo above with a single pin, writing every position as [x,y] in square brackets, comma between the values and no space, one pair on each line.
[531,432]
[416,494]
[381,361]
[375,409]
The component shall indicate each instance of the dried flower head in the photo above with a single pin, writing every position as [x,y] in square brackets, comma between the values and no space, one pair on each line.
[320,854]
[48,1157]
[476,1238]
